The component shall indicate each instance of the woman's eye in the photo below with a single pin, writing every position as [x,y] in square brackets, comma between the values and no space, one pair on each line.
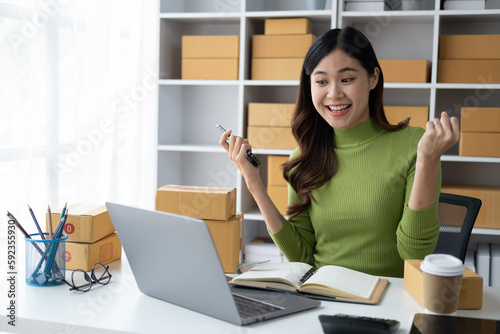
[321,82]
[347,79]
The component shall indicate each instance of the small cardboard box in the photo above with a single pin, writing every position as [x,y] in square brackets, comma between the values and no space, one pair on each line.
[471,291]
[270,114]
[281,46]
[271,137]
[419,116]
[210,68]
[287,26]
[405,70]
[84,256]
[469,47]
[279,196]
[85,222]
[276,68]
[211,46]
[480,120]
[274,171]
[479,144]
[228,239]
[484,71]
[489,214]
[199,202]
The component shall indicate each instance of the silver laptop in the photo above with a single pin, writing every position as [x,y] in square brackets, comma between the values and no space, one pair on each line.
[173,258]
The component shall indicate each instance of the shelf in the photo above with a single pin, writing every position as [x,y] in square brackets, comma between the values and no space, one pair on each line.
[325,14]
[191,148]
[457,158]
[386,17]
[486,231]
[200,17]
[181,82]
[271,82]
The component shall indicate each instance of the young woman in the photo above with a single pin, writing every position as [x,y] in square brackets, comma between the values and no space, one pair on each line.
[363,193]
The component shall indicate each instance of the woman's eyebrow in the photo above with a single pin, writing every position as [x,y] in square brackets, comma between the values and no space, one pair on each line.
[342,70]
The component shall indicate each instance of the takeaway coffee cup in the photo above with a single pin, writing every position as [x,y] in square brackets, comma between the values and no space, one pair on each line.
[442,281]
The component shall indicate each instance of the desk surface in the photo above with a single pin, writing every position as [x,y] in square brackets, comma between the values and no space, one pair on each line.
[120,307]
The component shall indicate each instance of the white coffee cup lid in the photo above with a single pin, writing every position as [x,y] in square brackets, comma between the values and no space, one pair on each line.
[442,265]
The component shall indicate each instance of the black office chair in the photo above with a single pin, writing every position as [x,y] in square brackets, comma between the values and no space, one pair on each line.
[457,215]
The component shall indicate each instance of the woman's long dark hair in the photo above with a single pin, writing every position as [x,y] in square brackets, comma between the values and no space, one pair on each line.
[317,161]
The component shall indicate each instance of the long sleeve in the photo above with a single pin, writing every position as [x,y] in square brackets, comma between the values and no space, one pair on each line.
[360,219]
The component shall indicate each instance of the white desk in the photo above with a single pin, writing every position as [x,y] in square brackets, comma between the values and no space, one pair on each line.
[121,307]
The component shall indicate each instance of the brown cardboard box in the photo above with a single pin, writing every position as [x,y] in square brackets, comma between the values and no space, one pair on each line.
[287,26]
[270,114]
[228,239]
[84,256]
[419,116]
[479,144]
[405,70]
[279,196]
[85,222]
[276,68]
[274,171]
[471,291]
[281,46]
[480,120]
[469,47]
[199,202]
[483,71]
[210,69]
[211,46]
[489,214]
[271,137]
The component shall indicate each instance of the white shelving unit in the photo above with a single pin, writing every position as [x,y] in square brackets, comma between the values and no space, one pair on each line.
[188,150]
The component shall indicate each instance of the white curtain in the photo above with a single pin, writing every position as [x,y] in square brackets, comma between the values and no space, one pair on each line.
[78,103]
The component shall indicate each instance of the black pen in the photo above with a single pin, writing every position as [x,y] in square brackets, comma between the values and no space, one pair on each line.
[250,156]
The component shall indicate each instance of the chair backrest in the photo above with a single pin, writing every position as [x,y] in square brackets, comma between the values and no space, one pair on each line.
[457,215]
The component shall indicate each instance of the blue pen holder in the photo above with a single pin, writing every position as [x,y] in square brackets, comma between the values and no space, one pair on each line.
[45,260]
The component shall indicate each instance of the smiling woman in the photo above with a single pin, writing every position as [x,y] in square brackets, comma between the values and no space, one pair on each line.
[78,87]
[362,192]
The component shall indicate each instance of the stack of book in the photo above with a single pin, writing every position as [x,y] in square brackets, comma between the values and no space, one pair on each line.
[464,4]
[372,5]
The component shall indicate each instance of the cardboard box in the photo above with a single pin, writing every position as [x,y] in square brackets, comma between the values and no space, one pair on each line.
[479,144]
[281,46]
[211,46]
[489,214]
[199,202]
[274,171]
[419,116]
[84,256]
[279,196]
[480,120]
[469,47]
[471,291]
[85,222]
[405,70]
[270,114]
[209,69]
[484,71]
[271,137]
[287,26]
[228,239]
[276,68]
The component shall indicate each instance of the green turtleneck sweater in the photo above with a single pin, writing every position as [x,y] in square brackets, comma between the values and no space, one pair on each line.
[360,219]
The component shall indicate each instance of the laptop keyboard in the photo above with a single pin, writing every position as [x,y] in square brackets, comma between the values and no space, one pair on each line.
[248,307]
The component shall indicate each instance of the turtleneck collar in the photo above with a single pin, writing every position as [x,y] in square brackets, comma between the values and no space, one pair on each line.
[357,135]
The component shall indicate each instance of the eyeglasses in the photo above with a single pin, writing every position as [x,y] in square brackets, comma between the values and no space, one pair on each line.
[99,274]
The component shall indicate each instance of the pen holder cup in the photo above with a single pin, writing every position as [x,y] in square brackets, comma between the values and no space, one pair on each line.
[45,260]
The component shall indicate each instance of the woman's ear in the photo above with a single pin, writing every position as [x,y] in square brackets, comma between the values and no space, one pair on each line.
[374,78]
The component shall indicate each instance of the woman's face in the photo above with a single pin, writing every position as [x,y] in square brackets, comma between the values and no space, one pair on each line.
[340,87]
